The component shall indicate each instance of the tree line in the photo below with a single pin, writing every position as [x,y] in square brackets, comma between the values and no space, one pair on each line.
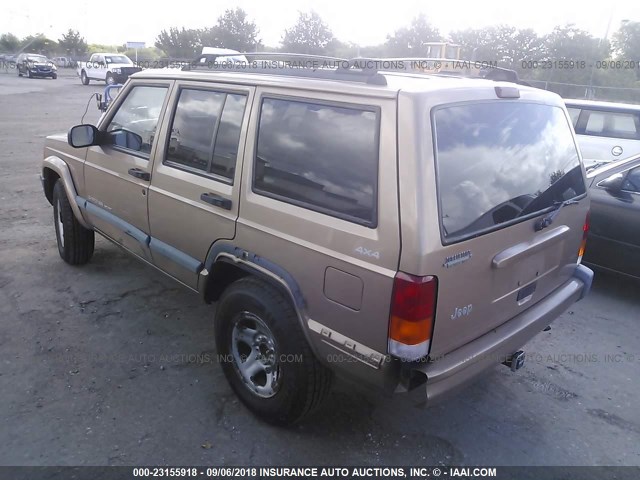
[524,50]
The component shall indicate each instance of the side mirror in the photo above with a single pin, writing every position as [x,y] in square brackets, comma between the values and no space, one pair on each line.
[82,136]
[126,139]
[613,184]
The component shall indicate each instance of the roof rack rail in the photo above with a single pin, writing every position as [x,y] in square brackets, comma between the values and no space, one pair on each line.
[293,65]
[437,66]
[275,55]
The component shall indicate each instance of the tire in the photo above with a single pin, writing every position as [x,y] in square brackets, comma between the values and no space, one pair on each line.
[54,76]
[19,74]
[75,243]
[29,73]
[83,78]
[253,311]
[109,80]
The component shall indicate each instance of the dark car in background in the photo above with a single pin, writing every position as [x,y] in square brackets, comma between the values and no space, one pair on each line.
[33,65]
[614,238]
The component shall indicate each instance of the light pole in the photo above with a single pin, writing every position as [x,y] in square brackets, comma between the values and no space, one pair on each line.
[590,94]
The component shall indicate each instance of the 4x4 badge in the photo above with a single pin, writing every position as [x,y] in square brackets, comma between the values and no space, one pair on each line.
[457,259]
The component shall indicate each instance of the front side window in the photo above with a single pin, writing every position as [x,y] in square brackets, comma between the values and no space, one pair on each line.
[205,132]
[322,157]
[632,181]
[133,127]
[499,162]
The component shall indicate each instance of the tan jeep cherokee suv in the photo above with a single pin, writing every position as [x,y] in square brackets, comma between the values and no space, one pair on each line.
[408,231]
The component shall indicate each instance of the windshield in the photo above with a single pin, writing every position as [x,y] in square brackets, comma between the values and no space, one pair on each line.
[232,58]
[500,161]
[117,59]
[37,58]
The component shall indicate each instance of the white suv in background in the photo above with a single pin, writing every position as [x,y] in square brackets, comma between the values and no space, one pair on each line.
[605,131]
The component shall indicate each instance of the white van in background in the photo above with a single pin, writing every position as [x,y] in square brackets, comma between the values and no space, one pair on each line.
[223,54]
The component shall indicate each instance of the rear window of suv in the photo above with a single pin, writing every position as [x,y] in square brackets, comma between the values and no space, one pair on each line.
[499,163]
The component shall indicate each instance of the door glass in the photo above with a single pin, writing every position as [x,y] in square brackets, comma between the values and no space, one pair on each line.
[133,127]
[226,149]
[574,113]
[193,128]
[632,182]
[206,131]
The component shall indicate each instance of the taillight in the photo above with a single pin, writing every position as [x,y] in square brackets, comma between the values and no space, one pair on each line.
[412,314]
[583,243]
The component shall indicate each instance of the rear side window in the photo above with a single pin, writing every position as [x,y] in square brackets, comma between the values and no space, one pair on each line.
[322,157]
[205,132]
[612,124]
[501,162]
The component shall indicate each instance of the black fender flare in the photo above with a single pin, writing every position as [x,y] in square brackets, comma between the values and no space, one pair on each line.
[260,267]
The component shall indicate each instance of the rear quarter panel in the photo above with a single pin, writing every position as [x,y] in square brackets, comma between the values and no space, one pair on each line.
[316,248]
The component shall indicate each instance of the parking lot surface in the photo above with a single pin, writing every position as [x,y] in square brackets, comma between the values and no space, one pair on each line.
[114,364]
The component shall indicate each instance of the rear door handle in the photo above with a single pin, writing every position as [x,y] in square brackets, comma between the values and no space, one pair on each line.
[216,200]
[139,173]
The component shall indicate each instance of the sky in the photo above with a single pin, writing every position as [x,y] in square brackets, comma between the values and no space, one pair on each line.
[359,21]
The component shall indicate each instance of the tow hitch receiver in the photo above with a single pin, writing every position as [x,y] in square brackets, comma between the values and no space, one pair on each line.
[515,361]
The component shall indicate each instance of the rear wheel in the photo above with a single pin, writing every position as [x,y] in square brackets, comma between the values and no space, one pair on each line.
[265,355]
[83,78]
[19,73]
[109,80]
[75,243]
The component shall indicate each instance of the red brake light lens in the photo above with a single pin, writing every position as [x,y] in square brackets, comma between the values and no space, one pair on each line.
[585,232]
[412,314]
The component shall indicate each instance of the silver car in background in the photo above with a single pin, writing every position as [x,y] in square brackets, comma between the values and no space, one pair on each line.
[605,131]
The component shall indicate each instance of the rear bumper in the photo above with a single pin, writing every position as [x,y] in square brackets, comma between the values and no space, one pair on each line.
[431,381]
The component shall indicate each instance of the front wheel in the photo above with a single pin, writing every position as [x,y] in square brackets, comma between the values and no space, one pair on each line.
[109,80]
[264,354]
[29,74]
[75,243]
[54,76]
[83,78]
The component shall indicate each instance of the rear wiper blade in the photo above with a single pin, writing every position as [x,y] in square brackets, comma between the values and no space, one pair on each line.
[547,220]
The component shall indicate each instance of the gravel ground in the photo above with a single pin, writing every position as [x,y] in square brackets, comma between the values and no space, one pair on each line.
[102,365]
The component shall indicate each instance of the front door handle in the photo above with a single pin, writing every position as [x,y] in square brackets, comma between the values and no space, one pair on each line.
[139,173]
[216,200]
